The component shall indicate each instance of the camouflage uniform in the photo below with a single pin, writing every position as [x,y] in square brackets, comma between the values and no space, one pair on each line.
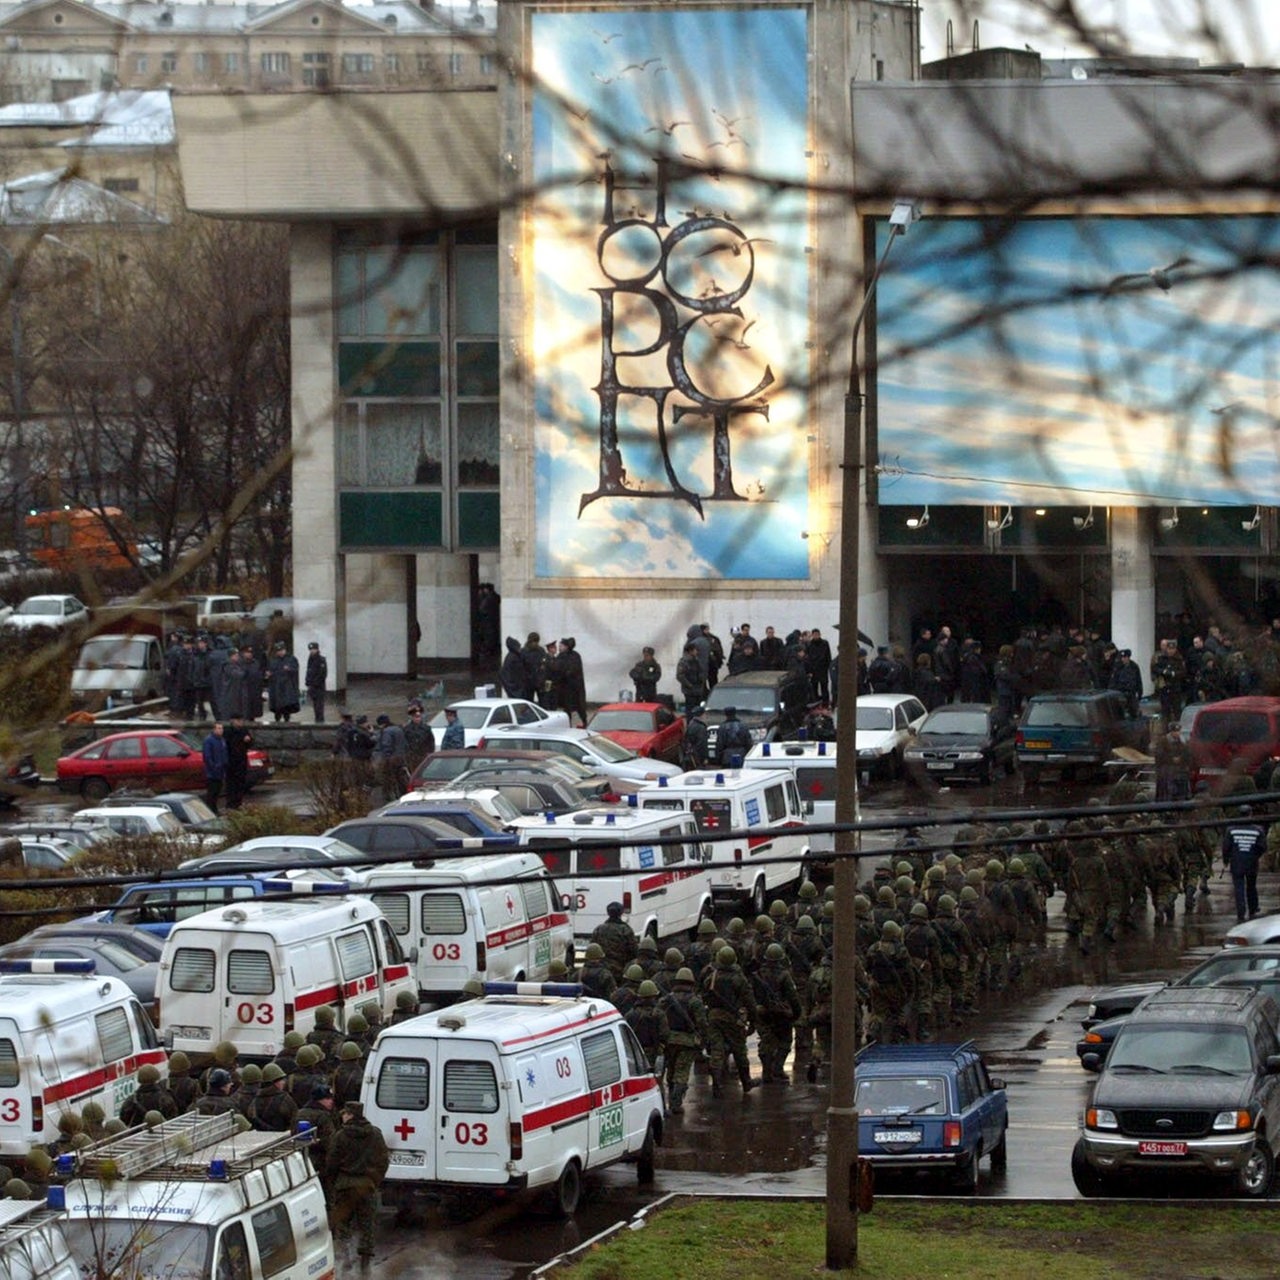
[647,956]
[804,951]
[182,1084]
[648,1020]
[956,952]
[1026,905]
[699,954]
[1197,862]
[357,1162]
[971,915]
[818,999]
[886,908]
[1006,924]
[150,1095]
[273,1110]
[349,1076]
[731,1010]
[687,1035]
[320,1118]
[617,940]
[406,1008]
[250,1087]
[892,977]
[625,993]
[921,943]
[1090,884]
[1166,874]
[672,963]
[777,1008]
[326,1036]
[595,975]
[310,1072]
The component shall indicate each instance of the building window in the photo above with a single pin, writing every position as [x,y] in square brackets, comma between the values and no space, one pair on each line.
[231,63]
[139,64]
[169,62]
[122,186]
[392,64]
[455,64]
[427,66]
[200,63]
[357,65]
[275,63]
[488,64]
[315,70]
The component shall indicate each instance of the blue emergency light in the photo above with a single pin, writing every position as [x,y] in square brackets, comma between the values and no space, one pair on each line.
[56,1198]
[46,966]
[569,990]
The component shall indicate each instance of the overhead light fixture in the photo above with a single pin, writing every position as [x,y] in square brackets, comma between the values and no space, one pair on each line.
[1250,525]
[920,521]
[1170,521]
[998,526]
[1040,511]
[1083,522]
[904,213]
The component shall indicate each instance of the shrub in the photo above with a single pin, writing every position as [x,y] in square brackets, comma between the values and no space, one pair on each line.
[339,789]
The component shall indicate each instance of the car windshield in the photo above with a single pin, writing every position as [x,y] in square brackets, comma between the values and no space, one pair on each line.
[875,718]
[1054,713]
[116,955]
[902,1095]
[197,811]
[607,749]
[468,717]
[626,721]
[141,1250]
[974,722]
[116,652]
[1181,1048]
[443,768]
[1225,964]
[1238,728]
[756,699]
[38,607]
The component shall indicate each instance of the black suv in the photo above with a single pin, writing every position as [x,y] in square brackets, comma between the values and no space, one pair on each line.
[771,704]
[1191,1085]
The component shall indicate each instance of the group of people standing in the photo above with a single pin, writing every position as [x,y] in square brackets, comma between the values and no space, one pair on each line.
[552,676]
[211,675]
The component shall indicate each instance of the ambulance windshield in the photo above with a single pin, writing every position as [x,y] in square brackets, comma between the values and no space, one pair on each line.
[125,1249]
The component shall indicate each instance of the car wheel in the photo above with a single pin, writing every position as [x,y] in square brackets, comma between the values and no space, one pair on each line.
[756,898]
[966,1179]
[644,1161]
[95,789]
[1089,1182]
[1000,1153]
[568,1189]
[1258,1172]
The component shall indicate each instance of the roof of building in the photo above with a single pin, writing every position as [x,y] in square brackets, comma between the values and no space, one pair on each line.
[55,198]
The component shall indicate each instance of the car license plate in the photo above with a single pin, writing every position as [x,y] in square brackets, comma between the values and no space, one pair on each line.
[1162,1148]
[1212,772]
[1036,744]
[905,1136]
[408,1157]
[941,764]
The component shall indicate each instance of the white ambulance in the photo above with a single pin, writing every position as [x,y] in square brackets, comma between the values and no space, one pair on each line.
[764,813]
[525,1089]
[67,1037]
[196,1199]
[32,1246]
[654,863]
[253,971]
[498,917]
[813,766]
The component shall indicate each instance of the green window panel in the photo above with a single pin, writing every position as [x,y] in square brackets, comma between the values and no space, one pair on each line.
[387,369]
[478,369]
[947,527]
[1207,529]
[479,520]
[409,520]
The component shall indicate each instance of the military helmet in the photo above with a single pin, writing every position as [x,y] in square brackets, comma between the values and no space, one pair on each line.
[891,929]
[975,876]
[649,943]
[16,1189]
[995,868]
[685,975]
[737,927]
[905,884]
[828,910]
[764,924]
[252,1073]
[885,894]
[81,1140]
[594,951]
[293,1041]
[557,971]
[39,1160]
[350,1052]
[808,891]
[310,1055]
[726,957]
[952,861]
[902,867]
[113,1126]
[947,905]
[148,1073]
[716,944]
[648,989]
[153,1119]
[805,925]
[357,1024]
[373,1015]
[861,904]
[406,1000]
[179,1063]
[1040,827]
[474,988]
[919,911]
[774,951]
[968,894]
[778,909]
[224,1053]
[1074,827]
[829,893]
[936,872]
[324,1016]
[633,973]
[706,927]
[1017,867]
[272,1072]
[674,958]
[92,1113]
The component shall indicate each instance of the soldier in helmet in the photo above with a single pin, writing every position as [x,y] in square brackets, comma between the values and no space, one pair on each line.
[865,930]
[273,1110]
[250,1086]
[557,971]
[93,1117]
[1089,885]
[921,943]
[624,994]
[349,1075]
[1006,923]
[1026,915]
[617,940]
[781,918]
[777,1008]
[183,1086]
[37,1168]
[700,954]
[217,1097]
[647,956]
[595,975]
[806,900]
[18,1189]
[672,963]
[69,1125]
[150,1095]
[687,1034]
[358,1034]
[287,1058]
[309,1072]
[804,950]
[735,934]
[731,1014]
[892,978]
[357,1162]
[886,908]
[318,1113]
[956,952]
[970,914]
[225,1056]
[407,1007]
[648,1020]
[326,1035]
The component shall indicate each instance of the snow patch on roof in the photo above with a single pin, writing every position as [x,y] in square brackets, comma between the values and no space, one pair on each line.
[121,118]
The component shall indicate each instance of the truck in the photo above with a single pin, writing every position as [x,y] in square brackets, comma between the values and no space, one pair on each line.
[123,662]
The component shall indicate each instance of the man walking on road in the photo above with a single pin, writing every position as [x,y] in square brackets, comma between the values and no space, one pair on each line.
[1243,844]
[214,751]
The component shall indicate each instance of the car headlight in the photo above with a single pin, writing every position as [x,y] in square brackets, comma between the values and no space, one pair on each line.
[1091,1011]
[968,755]
[1232,1120]
[1100,1118]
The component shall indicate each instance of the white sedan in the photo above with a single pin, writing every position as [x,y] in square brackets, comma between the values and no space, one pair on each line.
[482,715]
[598,753]
[886,722]
[47,611]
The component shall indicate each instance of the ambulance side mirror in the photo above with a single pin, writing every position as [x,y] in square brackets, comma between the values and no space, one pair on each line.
[411,955]
[808,806]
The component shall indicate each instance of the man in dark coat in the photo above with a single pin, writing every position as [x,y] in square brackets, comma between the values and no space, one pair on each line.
[532,655]
[316,679]
[237,737]
[214,752]
[515,675]
[419,738]
[357,1162]
[573,684]
[1243,844]
[645,676]
[818,664]
[282,684]
[253,682]
[772,652]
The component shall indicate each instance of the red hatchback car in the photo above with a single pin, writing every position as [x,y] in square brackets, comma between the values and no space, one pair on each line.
[162,758]
[647,728]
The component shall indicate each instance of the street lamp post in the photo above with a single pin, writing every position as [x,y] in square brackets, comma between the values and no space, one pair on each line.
[842,1116]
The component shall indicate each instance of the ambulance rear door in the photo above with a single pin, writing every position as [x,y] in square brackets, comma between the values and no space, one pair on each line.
[473,1138]
[401,1103]
[18,1126]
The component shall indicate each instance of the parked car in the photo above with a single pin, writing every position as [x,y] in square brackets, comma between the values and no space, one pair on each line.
[771,704]
[1236,735]
[110,960]
[1261,931]
[84,835]
[46,853]
[1076,732]
[603,755]
[270,852]
[962,740]
[1110,1007]
[1191,1086]
[479,716]
[189,808]
[886,724]
[647,728]
[528,790]
[403,835]
[146,946]
[441,767]
[136,820]
[166,757]
[930,1109]
[55,611]
[482,813]
[213,609]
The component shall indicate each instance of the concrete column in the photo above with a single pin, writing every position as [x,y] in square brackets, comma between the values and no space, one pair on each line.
[1133,587]
[316,564]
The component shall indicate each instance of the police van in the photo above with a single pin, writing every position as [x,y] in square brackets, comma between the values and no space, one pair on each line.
[529,1087]
[497,916]
[253,971]
[196,1199]
[67,1037]
[764,811]
[32,1246]
[813,766]
[654,863]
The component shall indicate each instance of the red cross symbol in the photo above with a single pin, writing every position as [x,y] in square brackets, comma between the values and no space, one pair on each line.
[599,862]
[404,1129]
[815,788]
[710,822]
[511,905]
